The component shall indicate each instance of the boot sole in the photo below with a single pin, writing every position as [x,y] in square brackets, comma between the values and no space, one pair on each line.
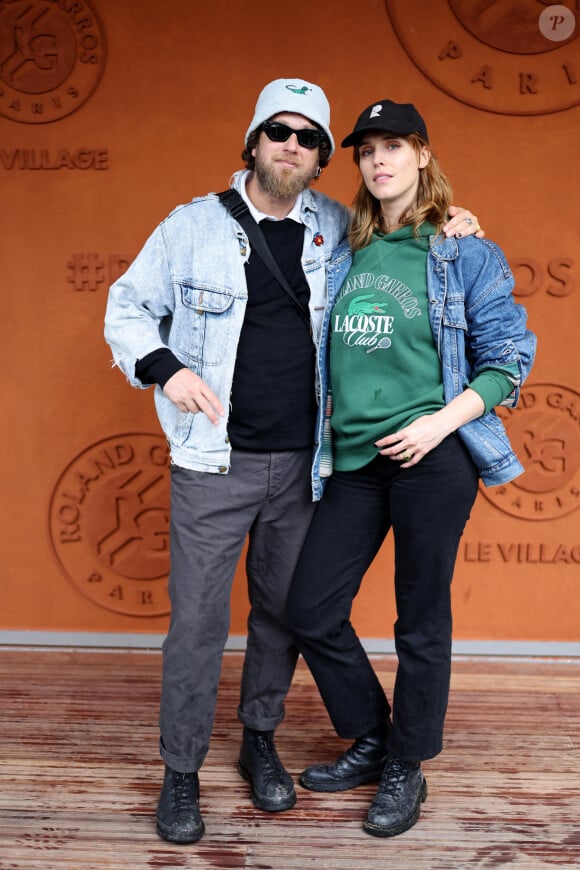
[165,833]
[400,827]
[264,803]
[344,784]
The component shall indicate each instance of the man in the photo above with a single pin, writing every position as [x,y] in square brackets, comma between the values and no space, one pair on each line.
[234,362]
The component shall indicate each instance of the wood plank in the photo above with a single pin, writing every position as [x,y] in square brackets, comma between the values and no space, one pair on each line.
[80,773]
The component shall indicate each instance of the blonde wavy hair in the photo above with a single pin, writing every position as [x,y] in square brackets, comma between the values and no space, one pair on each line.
[434,197]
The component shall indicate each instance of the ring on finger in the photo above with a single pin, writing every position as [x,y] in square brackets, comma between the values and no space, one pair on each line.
[407,455]
[468,221]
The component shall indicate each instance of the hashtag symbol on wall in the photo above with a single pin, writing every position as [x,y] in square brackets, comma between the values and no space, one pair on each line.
[89,271]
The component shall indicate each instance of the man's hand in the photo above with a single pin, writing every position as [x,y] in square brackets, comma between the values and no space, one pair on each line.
[191,394]
[462,223]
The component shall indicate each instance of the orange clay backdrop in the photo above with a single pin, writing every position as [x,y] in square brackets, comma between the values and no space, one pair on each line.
[111,113]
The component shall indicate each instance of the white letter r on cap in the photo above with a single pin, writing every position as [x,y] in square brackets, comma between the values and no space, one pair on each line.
[376,110]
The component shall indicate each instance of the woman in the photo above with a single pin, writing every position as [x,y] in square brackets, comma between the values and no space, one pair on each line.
[425,339]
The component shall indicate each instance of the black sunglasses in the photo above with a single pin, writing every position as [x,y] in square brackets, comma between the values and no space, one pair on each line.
[277,132]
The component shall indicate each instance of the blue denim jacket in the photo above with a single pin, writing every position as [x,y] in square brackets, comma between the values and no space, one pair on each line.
[476,324]
[186,290]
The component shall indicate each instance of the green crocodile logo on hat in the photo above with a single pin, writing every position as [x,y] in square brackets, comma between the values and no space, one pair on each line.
[303,90]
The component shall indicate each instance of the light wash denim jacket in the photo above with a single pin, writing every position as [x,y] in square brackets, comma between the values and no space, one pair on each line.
[476,324]
[186,290]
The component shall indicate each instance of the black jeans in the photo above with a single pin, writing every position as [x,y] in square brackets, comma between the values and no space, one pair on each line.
[427,507]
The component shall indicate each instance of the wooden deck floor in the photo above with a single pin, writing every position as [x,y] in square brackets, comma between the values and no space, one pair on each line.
[80,773]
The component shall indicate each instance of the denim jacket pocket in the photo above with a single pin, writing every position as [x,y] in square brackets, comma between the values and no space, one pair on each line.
[205,334]
[454,314]
[177,424]
[454,339]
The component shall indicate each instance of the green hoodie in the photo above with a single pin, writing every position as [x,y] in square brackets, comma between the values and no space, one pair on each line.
[385,370]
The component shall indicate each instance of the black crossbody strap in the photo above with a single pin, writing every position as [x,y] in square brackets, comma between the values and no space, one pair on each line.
[238,209]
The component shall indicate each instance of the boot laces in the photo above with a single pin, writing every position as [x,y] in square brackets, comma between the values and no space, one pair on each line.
[267,750]
[184,791]
[395,774]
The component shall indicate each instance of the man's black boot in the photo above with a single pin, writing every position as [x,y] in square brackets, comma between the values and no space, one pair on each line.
[178,816]
[272,786]
[362,762]
[397,804]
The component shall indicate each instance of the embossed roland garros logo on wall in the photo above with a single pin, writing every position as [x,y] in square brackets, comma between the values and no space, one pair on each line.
[545,432]
[513,57]
[109,524]
[52,55]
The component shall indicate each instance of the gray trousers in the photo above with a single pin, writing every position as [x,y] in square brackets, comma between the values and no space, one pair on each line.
[268,497]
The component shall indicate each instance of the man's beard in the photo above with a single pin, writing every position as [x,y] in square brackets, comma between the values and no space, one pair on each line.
[281,183]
